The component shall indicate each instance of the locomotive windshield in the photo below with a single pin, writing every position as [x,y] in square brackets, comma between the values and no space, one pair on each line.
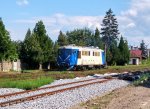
[65,51]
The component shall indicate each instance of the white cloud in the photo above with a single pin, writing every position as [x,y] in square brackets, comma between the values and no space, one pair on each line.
[133,22]
[60,19]
[131,12]
[58,22]
[137,7]
[22,2]
[135,41]
[131,25]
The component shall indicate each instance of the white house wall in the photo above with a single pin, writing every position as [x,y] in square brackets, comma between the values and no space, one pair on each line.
[137,61]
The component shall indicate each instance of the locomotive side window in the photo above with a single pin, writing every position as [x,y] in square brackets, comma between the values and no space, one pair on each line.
[79,54]
[96,53]
[86,53]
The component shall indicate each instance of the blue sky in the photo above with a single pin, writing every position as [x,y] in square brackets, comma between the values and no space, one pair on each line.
[133,16]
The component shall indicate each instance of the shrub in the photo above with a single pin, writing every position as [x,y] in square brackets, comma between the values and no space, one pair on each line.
[144,78]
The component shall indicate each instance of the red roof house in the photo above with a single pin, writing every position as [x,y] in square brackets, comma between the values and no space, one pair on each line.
[135,57]
[136,54]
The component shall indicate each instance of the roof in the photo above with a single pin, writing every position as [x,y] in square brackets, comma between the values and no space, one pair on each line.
[80,47]
[136,53]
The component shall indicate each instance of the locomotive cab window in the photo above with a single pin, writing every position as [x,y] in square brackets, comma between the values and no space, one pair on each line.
[68,51]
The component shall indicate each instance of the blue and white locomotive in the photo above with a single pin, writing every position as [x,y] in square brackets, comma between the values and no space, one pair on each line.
[76,57]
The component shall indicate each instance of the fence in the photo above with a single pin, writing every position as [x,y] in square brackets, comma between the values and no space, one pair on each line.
[10,65]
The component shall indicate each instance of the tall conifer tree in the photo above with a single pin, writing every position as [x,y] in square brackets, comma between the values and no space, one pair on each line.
[7,48]
[62,39]
[124,52]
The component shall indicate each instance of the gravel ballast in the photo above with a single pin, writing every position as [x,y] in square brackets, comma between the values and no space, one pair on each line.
[67,99]
[44,91]
[9,90]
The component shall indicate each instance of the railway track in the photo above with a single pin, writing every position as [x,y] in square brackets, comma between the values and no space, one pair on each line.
[27,91]
[19,97]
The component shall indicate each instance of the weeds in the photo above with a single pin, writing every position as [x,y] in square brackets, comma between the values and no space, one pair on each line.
[143,79]
[26,84]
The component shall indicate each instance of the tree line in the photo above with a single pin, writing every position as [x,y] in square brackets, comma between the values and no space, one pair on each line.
[38,49]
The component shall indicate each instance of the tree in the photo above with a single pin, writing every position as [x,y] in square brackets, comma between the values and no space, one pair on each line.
[124,52]
[18,47]
[115,54]
[7,48]
[109,28]
[80,37]
[143,47]
[25,52]
[97,39]
[62,39]
[45,44]
[34,49]
[55,51]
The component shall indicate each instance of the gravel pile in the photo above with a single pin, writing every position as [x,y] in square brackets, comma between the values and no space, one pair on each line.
[9,90]
[67,99]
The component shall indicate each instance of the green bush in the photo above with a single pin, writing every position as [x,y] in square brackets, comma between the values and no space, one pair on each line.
[146,62]
[142,79]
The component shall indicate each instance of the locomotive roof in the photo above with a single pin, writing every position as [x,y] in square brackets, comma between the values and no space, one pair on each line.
[79,47]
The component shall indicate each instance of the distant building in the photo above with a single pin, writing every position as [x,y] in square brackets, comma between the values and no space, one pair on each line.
[135,56]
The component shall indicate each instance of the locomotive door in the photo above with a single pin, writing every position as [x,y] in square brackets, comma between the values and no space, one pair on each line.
[79,58]
[79,54]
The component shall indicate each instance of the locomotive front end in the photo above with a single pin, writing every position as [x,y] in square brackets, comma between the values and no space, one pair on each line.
[66,58]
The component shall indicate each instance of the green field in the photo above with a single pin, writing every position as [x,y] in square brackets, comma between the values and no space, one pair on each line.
[32,79]
[25,84]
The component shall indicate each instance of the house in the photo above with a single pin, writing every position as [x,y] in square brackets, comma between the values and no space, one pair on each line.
[135,56]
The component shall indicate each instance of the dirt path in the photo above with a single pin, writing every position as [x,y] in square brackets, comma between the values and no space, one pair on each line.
[125,98]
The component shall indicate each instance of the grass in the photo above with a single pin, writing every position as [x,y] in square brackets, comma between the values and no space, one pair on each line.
[25,84]
[146,61]
[31,79]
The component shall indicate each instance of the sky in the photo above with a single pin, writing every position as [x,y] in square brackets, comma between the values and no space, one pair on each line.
[133,16]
